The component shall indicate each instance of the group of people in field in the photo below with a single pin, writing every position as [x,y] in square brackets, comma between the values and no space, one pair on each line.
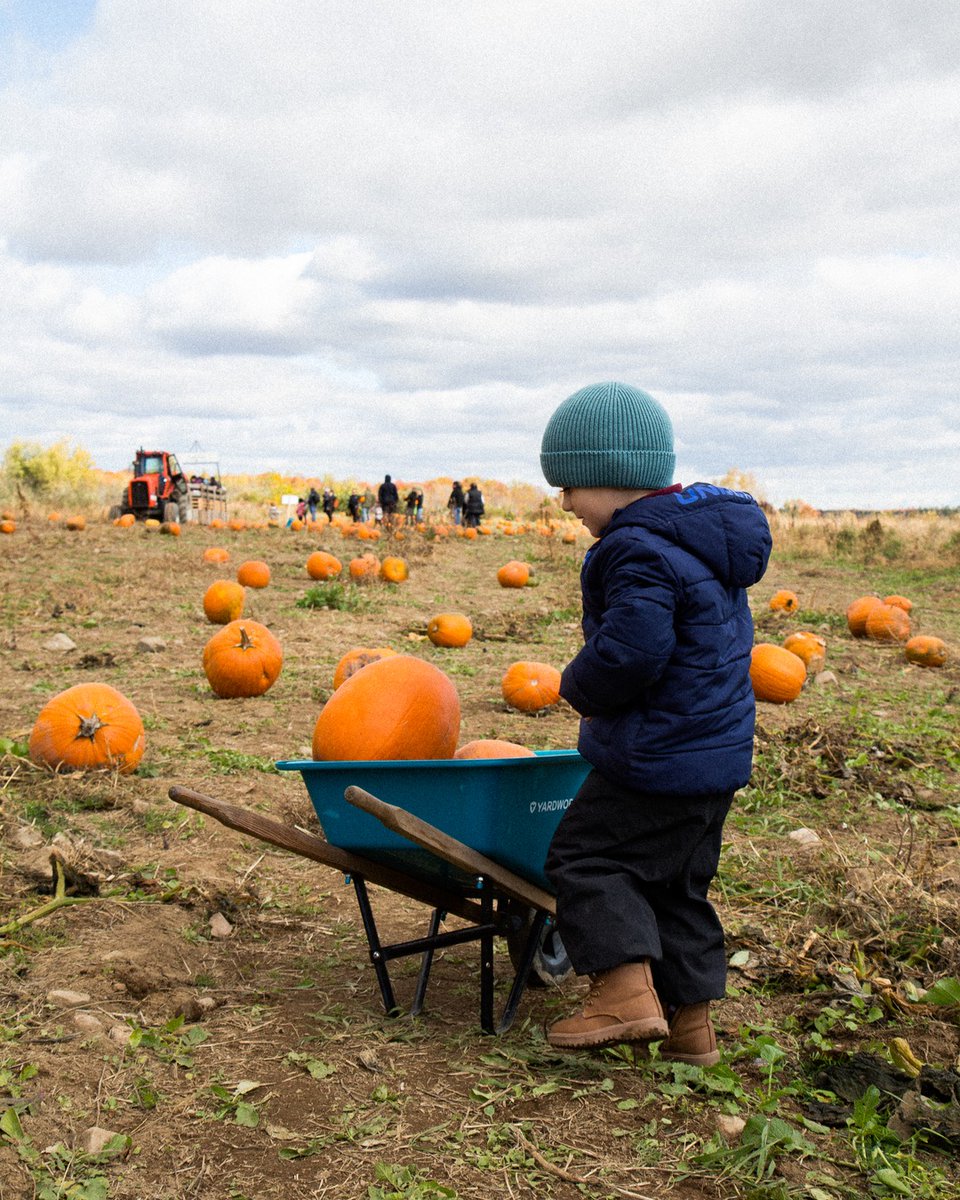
[383,506]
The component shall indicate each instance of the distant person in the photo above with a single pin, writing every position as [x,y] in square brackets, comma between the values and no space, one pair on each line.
[389,498]
[329,503]
[367,503]
[353,506]
[455,503]
[473,507]
[313,499]
[419,505]
[411,504]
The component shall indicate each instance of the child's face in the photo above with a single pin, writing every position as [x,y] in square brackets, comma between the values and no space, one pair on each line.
[595,506]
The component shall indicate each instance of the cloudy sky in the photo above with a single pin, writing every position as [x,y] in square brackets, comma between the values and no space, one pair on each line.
[352,236]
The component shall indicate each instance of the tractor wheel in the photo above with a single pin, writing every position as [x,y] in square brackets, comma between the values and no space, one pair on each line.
[550,962]
[170,512]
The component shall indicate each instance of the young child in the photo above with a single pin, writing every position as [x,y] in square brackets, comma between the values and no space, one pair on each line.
[663,688]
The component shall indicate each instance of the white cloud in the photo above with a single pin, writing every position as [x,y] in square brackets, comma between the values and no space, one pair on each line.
[289,227]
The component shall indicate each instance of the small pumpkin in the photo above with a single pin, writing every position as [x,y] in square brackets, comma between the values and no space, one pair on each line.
[242,659]
[493,748]
[253,573]
[887,623]
[394,569]
[775,674]
[514,574]
[223,601]
[322,565]
[77,523]
[784,601]
[400,707]
[449,629]
[357,658]
[899,602]
[364,568]
[54,517]
[810,648]
[126,520]
[88,727]
[531,686]
[926,651]
[8,526]
[857,613]
[171,528]
[216,554]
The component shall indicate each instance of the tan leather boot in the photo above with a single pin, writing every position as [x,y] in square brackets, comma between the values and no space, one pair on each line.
[692,1038]
[621,1006]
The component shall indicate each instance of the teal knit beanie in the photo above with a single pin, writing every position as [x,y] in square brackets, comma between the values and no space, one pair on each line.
[609,435]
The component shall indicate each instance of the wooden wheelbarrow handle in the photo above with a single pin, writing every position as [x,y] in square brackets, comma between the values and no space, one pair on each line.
[456,853]
[308,845]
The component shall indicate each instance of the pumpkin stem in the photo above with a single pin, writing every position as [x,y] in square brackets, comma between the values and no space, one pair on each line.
[245,641]
[89,726]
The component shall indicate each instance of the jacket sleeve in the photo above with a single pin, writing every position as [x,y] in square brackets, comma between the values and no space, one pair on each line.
[629,646]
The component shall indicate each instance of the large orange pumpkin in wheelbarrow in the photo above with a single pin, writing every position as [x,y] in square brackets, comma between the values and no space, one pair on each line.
[398,707]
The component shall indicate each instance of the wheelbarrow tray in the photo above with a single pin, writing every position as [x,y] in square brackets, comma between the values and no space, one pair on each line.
[506,809]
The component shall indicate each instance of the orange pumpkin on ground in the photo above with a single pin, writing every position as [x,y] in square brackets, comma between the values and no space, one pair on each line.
[398,708]
[394,569]
[926,651]
[776,675]
[531,686]
[321,565]
[223,601]
[218,523]
[171,528]
[77,523]
[55,516]
[126,520]
[357,658]
[514,574]
[242,659]
[364,568]
[899,602]
[253,573]
[449,629]
[784,601]
[857,614]
[8,526]
[216,554]
[493,748]
[887,623]
[809,647]
[89,727]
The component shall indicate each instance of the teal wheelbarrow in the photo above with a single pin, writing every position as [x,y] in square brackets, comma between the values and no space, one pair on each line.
[466,837]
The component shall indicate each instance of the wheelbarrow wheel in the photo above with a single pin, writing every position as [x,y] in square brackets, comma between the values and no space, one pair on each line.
[550,964]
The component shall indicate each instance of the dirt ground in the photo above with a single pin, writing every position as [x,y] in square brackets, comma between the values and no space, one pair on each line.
[147,1054]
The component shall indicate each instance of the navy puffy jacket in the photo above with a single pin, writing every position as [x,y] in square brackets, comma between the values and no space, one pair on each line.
[662,681]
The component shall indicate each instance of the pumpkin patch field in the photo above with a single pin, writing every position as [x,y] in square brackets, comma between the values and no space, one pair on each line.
[188,1013]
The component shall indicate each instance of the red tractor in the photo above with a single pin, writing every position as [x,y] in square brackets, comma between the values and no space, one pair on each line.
[158,488]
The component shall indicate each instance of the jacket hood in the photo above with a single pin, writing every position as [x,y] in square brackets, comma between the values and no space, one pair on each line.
[726,530]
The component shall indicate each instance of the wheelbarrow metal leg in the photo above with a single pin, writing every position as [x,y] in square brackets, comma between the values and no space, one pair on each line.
[376,949]
[426,962]
[487,1023]
[523,972]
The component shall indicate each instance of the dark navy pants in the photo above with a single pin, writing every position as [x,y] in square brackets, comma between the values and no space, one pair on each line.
[632,871]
